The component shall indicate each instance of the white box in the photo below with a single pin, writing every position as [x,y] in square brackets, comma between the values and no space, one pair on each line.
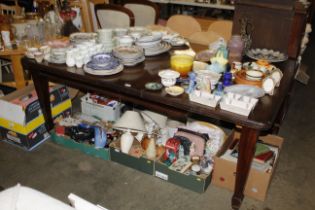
[103,112]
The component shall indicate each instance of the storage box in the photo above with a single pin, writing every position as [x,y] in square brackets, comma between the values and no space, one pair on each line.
[258,181]
[85,148]
[104,112]
[195,183]
[21,119]
[141,164]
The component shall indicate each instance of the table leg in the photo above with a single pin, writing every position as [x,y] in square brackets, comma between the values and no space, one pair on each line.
[247,146]
[42,89]
[18,71]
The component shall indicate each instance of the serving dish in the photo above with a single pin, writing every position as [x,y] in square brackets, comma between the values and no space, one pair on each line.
[269,55]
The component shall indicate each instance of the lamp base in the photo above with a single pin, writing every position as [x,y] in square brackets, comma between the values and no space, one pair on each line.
[126,141]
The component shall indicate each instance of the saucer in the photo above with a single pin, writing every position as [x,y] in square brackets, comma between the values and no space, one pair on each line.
[153,86]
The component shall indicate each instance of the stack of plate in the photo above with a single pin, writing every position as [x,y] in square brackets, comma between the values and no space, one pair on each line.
[103,64]
[58,55]
[79,38]
[129,56]
[152,44]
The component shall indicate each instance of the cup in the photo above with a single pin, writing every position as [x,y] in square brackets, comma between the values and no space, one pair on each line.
[121,31]
[125,41]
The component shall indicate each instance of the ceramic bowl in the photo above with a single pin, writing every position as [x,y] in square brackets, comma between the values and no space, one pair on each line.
[254,75]
[39,56]
[168,77]
[174,90]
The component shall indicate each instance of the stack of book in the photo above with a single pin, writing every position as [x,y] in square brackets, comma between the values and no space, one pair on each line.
[264,157]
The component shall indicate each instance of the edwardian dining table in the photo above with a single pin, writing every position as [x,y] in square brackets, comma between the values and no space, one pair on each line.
[129,86]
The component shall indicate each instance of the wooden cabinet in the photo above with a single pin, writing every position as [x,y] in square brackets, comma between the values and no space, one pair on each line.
[270,20]
[276,24]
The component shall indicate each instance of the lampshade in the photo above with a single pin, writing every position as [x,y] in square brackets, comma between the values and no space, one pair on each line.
[130,120]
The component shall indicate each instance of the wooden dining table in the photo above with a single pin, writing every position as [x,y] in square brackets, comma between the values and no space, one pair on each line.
[15,56]
[129,86]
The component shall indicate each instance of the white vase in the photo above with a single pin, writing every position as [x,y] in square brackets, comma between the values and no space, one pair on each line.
[151,150]
[126,142]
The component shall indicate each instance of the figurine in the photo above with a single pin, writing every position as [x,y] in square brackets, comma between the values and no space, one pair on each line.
[192,82]
[218,63]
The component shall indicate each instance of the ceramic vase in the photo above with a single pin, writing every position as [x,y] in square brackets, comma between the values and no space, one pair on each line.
[126,141]
[151,150]
[235,46]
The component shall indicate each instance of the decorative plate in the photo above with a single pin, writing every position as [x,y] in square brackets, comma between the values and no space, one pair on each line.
[271,56]
[103,72]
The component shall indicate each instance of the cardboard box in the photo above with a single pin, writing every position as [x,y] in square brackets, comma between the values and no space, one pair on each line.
[198,183]
[85,148]
[139,163]
[104,112]
[21,119]
[258,181]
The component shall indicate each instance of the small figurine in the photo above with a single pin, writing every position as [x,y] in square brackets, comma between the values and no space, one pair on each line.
[192,82]
[218,63]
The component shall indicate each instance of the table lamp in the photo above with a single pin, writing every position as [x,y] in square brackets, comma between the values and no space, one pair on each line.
[130,121]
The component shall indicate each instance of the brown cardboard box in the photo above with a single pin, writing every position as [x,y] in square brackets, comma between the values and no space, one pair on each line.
[258,181]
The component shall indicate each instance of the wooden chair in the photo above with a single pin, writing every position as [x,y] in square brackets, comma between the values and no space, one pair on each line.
[10,10]
[223,28]
[184,25]
[203,37]
[145,12]
[92,16]
[113,16]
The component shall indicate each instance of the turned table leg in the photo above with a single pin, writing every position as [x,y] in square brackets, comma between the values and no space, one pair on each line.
[42,89]
[247,147]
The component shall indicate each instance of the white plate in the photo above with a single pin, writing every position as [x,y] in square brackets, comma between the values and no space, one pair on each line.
[103,72]
[148,44]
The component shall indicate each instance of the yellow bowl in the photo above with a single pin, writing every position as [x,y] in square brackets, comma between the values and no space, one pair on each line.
[182,64]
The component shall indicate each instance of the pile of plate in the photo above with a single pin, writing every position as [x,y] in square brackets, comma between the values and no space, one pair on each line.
[58,55]
[103,64]
[129,56]
[79,38]
[152,44]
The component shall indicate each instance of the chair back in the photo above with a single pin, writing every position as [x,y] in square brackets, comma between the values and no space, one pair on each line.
[184,25]
[145,12]
[203,37]
[92,16]
[10,10]
[222,28]
[113,16]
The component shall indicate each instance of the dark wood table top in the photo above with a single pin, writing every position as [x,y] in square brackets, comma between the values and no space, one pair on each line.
[129,86]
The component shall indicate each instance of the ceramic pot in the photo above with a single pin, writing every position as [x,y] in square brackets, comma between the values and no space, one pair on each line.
[126,141]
